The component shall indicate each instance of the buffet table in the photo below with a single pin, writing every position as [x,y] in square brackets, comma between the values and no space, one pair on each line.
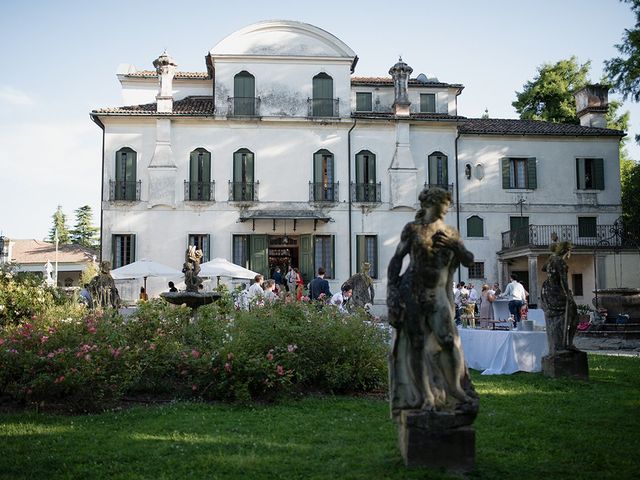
[497,352]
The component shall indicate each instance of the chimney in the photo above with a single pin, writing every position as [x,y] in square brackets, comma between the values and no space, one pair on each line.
[592,104]
[166,68]
[400,73]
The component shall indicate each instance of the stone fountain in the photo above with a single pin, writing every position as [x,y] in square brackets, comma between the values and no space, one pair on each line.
[193,297]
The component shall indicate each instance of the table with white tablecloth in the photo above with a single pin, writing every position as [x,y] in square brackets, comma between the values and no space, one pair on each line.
[498,352]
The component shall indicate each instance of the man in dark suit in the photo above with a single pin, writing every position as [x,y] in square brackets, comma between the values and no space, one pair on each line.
[319,286]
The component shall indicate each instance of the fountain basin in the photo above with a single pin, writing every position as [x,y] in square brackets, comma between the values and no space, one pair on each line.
[619,301]
[191,299]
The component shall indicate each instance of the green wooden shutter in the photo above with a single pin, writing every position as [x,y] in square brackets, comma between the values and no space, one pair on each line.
[322,95]
[132,258]
[306,258]
[475,226]
[598,170]
[244,88]
[506,180]
[580,173]
[360,251]
[532,177]
[258,254]
[332,273]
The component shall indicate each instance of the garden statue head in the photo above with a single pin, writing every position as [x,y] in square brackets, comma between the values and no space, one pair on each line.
[105,266]
[435,201]
[366,267]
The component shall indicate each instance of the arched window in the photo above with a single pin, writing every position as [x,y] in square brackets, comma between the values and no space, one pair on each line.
[366,187]
[324,188]
[438,173]
[475,226]
[125,186]
[322,96]
[243,178]
[200,175]
[244,94]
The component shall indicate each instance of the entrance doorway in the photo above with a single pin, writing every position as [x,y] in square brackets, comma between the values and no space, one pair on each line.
[284,250]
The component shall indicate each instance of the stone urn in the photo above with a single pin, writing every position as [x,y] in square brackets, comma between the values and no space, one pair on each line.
[619,301]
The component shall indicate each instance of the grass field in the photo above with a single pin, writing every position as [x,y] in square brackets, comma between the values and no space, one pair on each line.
[528,427]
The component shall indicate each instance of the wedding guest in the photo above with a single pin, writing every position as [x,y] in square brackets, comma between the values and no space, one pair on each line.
[517,296]
[486,307]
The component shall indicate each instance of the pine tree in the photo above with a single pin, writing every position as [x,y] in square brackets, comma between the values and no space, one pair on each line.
[59,225]
[84,233]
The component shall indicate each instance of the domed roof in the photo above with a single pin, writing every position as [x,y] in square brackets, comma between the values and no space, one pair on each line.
[283,38]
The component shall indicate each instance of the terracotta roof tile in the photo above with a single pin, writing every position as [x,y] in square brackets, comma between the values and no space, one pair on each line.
[37,251]
[180,75]
[194,105]
[388,81]
[414,116]
[496,126]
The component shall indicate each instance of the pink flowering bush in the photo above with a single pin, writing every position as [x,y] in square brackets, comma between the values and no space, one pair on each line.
[87,360]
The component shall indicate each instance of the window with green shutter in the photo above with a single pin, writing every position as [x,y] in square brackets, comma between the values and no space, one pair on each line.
[367,251]
[363,102]
[427,103]
[201,242]
[365,186]
[123,250]
[126,180]
[322,95]
[323,176]
[590,173]
[240,250]
[244,92]
[587,226]
[438,170]
[243,179]
[323,254]
[200,175]
[475,226]
[519,173]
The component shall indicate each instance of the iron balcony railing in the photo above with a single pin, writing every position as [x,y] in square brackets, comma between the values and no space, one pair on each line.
[199,191]
[366,192]
[243,106]
[578,235]
[323,192]
[323,107]
[128,191]
[243,191]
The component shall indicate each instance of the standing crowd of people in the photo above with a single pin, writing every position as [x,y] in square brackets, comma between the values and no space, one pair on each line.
[290,287]
[469,303]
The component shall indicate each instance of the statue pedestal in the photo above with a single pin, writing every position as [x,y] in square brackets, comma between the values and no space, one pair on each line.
[566,363]
[437,439]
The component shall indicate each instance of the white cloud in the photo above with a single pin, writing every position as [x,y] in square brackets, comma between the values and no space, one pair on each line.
[13,96]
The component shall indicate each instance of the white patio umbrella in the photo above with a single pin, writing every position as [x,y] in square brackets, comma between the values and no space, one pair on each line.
[143,269]
[221,267]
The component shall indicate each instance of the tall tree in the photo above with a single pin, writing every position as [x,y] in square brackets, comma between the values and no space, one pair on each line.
[624,71]
[59,225]
[549,96]
[84,233]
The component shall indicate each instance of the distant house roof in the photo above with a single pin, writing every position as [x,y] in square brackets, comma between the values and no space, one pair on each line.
[24,252]
[388,81]
[178,75]
[497,126]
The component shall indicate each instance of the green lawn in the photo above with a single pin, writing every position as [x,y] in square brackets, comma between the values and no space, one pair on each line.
[528,427]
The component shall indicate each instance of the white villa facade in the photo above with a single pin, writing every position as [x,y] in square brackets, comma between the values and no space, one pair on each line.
[278,155]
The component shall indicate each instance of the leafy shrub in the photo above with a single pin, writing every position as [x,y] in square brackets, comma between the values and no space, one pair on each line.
[86,359]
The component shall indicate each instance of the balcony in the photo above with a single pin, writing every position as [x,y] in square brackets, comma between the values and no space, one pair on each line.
[323,192]
[243,191]
[243,106]
[126,191]
[366,192]
[540,236]
[199,191]
[323,107]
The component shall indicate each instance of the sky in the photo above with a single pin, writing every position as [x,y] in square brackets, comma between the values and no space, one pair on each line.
[60,58]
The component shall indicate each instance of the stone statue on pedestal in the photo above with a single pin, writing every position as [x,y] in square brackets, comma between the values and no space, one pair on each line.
[561,318]
[103,289]
[191,269]
[432,397]
[363,291]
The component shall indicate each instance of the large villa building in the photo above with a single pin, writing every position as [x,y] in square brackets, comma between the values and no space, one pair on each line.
[277,154]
